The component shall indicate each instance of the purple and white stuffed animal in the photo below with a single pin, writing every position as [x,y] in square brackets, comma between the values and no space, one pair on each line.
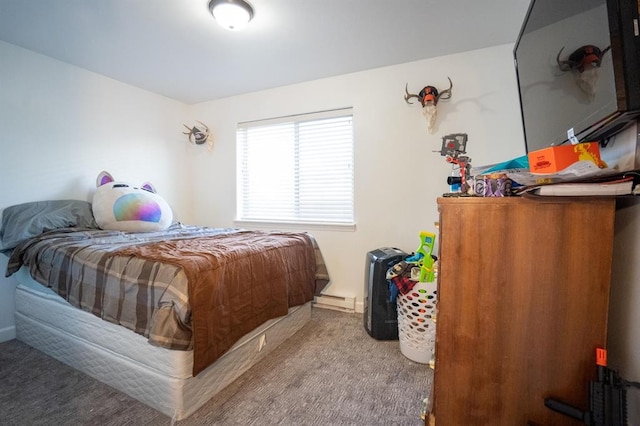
[119,206]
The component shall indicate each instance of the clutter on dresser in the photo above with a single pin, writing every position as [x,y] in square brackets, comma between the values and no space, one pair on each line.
[583,169]
[610,160]
[492,185]
[454,149]
[623,184]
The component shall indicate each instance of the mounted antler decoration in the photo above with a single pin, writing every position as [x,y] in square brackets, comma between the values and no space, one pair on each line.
[429,97]
[583,58]
[586,60]
[199,135]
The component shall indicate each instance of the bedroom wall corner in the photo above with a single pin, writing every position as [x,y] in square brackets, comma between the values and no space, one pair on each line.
[61,125]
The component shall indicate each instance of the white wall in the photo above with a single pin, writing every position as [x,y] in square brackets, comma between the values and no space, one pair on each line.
[623,343]
[61,125]
[398,174]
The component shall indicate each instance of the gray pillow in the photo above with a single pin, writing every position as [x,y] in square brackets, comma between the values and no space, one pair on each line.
[27,220]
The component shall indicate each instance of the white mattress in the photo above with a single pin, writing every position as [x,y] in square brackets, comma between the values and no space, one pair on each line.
[125,360]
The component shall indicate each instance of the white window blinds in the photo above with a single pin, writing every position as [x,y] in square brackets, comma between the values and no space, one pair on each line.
[297,169]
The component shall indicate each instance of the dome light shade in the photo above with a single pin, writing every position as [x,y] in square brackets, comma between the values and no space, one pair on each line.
[232,15]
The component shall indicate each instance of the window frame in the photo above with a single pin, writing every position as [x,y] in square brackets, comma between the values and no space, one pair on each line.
[346,225]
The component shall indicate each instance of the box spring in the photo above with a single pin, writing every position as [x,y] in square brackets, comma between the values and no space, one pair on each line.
[158,377]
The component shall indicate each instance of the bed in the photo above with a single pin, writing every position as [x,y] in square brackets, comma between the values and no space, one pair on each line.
[169,318]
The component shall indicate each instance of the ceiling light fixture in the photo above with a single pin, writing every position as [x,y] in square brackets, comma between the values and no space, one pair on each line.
[231,14]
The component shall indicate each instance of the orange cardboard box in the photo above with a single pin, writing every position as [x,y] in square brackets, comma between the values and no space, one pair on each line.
[557,158]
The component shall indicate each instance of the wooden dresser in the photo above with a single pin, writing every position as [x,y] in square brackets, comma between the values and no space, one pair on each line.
[523,292]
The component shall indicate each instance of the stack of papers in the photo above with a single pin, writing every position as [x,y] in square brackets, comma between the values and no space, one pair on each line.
[617,187]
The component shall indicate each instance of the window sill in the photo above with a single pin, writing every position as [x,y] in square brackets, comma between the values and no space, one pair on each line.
[298,226]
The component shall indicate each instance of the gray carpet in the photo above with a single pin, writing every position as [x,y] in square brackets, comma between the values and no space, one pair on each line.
[330,373]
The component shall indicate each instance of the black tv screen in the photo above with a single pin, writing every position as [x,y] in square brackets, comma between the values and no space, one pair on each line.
[562,101]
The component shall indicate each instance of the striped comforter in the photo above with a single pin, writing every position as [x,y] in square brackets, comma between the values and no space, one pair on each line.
[185,288]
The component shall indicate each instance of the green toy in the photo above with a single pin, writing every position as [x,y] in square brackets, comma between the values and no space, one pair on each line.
[427,240]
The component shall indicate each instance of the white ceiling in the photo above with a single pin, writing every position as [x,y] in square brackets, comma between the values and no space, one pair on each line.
[175,48]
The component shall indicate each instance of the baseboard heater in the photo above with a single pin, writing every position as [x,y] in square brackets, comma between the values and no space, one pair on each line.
[338,303]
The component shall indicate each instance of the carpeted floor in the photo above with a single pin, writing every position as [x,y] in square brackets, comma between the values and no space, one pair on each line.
[330,373]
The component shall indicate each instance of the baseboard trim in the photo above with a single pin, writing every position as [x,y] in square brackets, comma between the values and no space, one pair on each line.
[7,333]
[338,303]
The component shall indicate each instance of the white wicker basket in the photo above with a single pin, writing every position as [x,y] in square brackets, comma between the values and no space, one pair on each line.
[416,330]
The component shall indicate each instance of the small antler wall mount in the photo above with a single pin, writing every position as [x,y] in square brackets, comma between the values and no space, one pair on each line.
[429,97]
[199,134]
[585,62]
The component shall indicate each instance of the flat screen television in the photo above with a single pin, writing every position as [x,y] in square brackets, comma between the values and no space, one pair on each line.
[557,101]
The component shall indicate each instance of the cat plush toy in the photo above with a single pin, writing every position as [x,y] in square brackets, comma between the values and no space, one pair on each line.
[119,206]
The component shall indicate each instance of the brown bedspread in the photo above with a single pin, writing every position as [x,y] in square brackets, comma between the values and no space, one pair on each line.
[185,288]
[236,281]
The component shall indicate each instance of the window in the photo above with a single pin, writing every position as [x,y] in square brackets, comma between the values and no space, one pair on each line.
[297,169]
